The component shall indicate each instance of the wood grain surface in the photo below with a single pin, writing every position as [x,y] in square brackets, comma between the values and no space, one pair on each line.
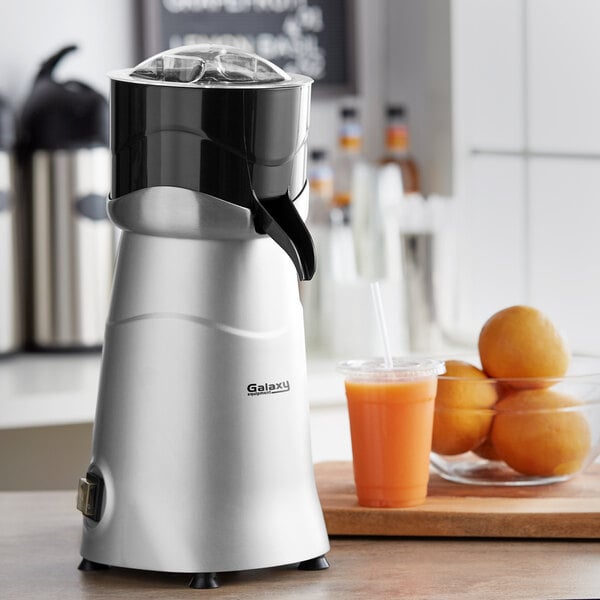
[39,552]
[562,510]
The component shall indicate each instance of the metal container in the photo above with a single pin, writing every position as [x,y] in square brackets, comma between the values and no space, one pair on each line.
[418,255]
[65,166]
[11,330]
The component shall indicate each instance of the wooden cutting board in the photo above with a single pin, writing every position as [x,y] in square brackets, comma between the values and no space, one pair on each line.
[561,510]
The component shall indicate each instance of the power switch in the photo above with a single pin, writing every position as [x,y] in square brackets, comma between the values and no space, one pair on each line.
[89,496]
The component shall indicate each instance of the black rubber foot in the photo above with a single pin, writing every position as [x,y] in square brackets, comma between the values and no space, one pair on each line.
[314,564]
[204,581]
[89,565]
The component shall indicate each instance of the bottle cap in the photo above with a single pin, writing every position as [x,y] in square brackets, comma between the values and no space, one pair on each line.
[396,110]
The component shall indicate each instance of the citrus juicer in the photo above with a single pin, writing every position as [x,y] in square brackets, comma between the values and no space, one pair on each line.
[201,459]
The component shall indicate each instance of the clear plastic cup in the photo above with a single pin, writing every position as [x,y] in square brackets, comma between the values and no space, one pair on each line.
[391,422]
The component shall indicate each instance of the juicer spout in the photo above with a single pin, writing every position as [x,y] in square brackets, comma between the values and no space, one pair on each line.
[278,218]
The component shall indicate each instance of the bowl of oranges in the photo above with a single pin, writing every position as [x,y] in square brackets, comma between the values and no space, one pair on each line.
[522,411]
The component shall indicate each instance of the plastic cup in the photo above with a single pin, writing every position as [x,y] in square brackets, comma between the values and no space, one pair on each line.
[391,422]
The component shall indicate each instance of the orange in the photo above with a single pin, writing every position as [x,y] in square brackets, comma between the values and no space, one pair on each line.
[535,433]
[462,415]
[522,342]
[487,450]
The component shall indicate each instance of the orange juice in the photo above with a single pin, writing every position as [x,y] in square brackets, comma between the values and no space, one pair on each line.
[391,424]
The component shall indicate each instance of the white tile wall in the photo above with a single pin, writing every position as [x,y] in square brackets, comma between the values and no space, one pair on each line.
[565,246]
[527,94]
[563,50]
[487,87]
[492,236]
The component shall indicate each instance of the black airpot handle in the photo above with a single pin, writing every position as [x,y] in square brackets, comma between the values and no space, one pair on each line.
[278,218]
[49,64]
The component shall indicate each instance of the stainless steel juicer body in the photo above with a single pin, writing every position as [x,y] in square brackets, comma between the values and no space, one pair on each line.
[201,453]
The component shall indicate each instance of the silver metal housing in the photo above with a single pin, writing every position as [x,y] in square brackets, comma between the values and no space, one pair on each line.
[202,427]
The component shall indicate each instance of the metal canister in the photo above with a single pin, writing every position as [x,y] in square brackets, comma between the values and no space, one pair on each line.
[65,166]
[11,330]
[419,264]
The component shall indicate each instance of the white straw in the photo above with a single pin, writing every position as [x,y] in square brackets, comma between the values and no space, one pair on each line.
[376,295]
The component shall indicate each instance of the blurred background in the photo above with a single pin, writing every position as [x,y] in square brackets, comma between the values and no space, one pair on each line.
[454,156]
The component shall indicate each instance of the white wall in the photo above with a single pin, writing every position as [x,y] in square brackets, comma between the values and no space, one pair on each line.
[527,160]
[32,30]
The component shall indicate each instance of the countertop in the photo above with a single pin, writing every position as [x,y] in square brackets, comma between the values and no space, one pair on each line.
[39,540]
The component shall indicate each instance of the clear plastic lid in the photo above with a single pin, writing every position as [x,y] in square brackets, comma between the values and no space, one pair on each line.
[375,369]
[205,64]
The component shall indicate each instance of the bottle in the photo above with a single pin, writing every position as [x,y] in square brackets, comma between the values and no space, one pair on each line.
[320,179]
[397,142]
[354,233]
[349,154]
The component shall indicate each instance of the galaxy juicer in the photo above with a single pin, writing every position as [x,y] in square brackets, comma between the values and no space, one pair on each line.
[201,459]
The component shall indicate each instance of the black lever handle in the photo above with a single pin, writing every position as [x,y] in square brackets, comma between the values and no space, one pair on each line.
[278,218]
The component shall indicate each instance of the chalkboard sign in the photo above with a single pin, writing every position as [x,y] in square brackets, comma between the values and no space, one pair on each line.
[312,37]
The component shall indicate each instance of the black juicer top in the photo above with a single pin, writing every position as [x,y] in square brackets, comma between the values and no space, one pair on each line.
[221,121]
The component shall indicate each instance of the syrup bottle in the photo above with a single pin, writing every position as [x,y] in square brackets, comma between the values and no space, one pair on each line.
[349,154]
[397,142]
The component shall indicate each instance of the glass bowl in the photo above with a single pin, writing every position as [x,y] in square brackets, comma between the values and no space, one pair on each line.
[534,431]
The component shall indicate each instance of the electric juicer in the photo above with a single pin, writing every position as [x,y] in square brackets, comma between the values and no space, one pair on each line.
[201,459]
